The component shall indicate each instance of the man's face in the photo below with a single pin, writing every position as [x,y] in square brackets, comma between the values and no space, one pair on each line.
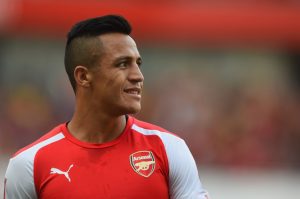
[117,81]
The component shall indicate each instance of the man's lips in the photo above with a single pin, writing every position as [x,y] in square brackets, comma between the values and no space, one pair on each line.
[133,91]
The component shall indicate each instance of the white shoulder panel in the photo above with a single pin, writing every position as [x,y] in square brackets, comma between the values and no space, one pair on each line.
[19,173]
[184,180]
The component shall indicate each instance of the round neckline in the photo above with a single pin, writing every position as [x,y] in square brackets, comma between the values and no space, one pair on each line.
[74,140]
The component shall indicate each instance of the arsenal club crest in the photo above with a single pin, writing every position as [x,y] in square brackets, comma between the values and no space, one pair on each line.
[142,162]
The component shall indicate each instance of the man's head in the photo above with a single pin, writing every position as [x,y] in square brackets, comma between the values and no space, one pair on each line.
[103,65]
[83,46]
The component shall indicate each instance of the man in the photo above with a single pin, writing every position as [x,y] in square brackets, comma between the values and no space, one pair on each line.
[103,152]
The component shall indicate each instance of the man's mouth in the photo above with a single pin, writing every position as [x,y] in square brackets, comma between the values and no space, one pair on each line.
[133,91]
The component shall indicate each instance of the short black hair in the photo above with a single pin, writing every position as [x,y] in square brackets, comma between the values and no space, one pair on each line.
[82,47]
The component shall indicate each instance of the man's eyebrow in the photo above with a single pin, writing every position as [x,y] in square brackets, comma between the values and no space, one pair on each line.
[123,57]
[127,58]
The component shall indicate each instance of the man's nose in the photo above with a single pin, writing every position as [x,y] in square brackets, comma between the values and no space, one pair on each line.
[136,74]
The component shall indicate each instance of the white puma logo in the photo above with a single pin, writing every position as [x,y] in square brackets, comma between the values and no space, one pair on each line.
[65,173]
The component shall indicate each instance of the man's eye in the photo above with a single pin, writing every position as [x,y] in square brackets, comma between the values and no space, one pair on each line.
[122,64]
[139,63]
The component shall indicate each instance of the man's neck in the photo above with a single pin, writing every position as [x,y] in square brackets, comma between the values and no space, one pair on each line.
[96,128]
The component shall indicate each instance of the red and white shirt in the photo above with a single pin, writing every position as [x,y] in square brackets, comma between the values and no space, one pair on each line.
[145,161]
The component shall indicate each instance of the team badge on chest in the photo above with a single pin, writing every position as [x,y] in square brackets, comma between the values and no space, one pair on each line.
[142,162]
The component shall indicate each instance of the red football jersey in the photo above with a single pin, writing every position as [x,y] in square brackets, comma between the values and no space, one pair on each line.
[145,161]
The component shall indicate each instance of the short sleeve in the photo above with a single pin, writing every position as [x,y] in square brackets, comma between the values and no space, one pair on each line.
[184,180]
[19,183]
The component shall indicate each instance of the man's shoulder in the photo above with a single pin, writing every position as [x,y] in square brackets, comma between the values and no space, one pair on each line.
[40,142]
[149,128]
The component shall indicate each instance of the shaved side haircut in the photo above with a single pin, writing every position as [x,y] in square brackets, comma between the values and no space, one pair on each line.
[83,45]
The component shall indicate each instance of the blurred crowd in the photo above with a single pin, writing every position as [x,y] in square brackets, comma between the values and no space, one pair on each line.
[237,110]
[243,125]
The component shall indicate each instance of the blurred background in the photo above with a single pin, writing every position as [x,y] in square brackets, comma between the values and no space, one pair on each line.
[223,75]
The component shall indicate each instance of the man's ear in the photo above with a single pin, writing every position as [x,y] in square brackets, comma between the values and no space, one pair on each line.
[82,76]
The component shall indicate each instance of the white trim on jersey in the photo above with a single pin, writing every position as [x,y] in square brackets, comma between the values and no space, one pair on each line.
[184,180]
[19,174]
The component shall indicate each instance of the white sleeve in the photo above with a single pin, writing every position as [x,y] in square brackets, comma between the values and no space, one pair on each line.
[184,180]
[19,174]
[19,179]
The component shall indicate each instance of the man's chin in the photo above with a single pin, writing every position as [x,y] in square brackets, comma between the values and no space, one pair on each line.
[133,109]
[121,110]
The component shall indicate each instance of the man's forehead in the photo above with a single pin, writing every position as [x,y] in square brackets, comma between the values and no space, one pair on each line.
[118,45]
[116,39]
